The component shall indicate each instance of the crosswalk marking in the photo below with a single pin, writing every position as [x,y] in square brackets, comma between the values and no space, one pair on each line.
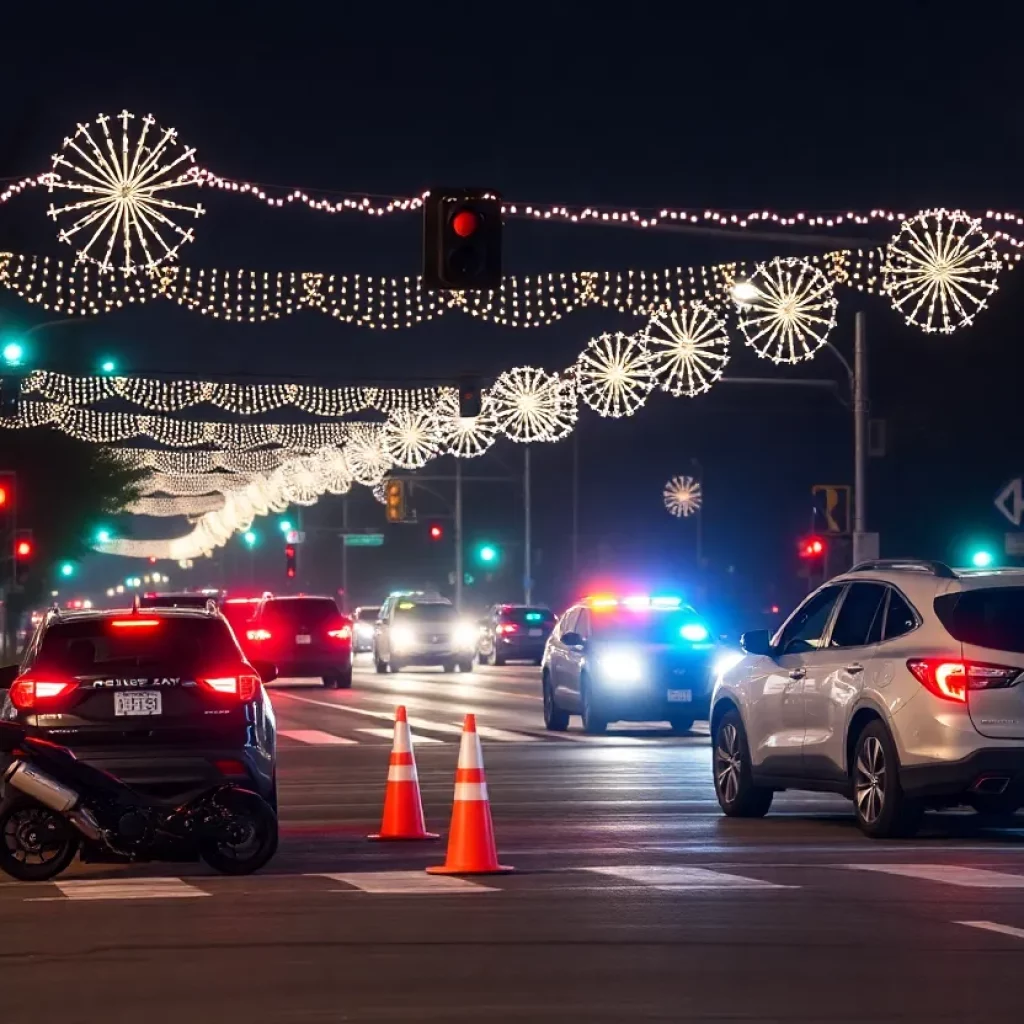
[951,874]
[671,878]
[992,926]
[387,734]
[128,889]
[406,883]
[316,738]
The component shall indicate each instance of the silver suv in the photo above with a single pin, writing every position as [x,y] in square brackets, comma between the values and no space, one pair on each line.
[422,628]
[899,684]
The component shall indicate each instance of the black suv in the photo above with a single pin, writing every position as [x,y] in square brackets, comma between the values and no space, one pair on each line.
[162,698]
[514,632]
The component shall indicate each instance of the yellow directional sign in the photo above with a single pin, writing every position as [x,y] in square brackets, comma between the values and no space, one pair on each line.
[832,503]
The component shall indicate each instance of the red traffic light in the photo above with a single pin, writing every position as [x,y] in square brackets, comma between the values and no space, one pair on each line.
[465,223]
[812,547]
[23,549]
[289,551]
[3,496]
[436,531]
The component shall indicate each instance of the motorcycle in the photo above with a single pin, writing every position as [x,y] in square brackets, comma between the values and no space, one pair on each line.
[55,806]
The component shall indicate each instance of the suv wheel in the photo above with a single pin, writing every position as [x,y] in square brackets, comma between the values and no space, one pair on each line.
[555,719]
[340,681]
[593,723]
[734,785]
[379,665]
[883,810]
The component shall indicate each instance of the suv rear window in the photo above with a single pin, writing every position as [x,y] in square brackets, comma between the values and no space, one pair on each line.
[311,612]
[175,645]
[367,614]
[175,600]
[993,617]
[528,616]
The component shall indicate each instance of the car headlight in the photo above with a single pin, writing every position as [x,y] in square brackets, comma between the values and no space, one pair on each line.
[694,632]
[620,665]
[402,637]
[466,635]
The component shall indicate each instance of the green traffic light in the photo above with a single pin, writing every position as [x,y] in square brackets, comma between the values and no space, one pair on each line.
[250,538]
[67,569]
[108,366]
[284,526]
[487,553]
[104,536]
[13,353]
[982,559]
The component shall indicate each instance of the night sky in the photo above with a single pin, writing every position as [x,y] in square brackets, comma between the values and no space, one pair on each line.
[733,107]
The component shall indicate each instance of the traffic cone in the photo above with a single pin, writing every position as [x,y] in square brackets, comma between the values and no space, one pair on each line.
[471,849]
[403,808]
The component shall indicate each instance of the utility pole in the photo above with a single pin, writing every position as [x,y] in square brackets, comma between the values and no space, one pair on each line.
[459,571]
[860,440]
[575,503]
[344,552]
[527,540]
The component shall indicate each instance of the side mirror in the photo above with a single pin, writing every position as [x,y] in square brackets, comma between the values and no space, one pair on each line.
[266,670]
[572,640]
[8,673]
[757,641]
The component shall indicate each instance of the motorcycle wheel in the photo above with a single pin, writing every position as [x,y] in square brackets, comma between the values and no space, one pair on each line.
[250,840]
[36,844]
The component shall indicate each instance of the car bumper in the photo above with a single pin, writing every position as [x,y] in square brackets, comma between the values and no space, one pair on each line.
[520,650]
[313,667]
[982,773]
[430,656]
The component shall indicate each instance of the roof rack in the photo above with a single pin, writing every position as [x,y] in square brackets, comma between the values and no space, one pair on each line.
[933,568]
[211,607]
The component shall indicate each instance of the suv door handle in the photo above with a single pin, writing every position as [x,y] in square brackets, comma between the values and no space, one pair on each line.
[798,673]
[855,668]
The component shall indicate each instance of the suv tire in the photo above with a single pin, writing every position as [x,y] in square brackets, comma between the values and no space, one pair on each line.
[882,808]
[555,719]
[593,723]
[737,794]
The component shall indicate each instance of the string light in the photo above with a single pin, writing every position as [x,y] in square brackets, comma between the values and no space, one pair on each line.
[189,463]
[532,405]
[465,437]
[792,313]
[182,505]
[688,349]
[613,374]
[367,460]
[196,484]
[410,438]
[940,268]
[683,496]
[126,181]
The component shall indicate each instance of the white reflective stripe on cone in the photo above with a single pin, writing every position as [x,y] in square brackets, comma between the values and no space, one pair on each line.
[470,754]
[402,773]
[470,790]
[403,740]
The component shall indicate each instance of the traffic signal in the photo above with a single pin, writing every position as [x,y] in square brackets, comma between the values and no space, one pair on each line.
[24,551]
[436,531]
[812,548]
[470,398]
[982,559]
[462,239]
[67,569]
[250,539]
[290,553]
[6,492]
[394,501]
[284,525]
[13,353]
[487,554]
[107,367]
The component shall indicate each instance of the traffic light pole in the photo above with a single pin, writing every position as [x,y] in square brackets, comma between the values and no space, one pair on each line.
[527,533]
[459,571]
[860,437]
[344,553]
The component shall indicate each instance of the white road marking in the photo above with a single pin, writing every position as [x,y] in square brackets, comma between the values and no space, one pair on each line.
[406,883]
[128,889]
[672,877]
[316,738]
[388,734]
[992,926]
[950,874]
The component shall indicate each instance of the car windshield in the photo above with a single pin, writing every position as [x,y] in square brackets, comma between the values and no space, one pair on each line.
[528,617]
[992,617]
[310,612]
[648,626]
[367,614]
[408,612]
[174,645]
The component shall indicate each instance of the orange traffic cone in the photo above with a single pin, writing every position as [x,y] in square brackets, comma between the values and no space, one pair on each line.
[403,809]
[471,849]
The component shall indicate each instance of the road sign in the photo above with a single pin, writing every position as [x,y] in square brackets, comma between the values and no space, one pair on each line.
[1010,501]
[363,540]
[295,536]
[1014,544]
[832,505]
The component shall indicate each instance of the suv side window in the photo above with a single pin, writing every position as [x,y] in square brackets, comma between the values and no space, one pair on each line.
[568,622]
[583,623]
[899,618]
[863,606]
[804,631]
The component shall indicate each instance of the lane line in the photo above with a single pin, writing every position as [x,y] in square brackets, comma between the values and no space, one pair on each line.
[388,734]
[992,926]
[316,738]
[674,877]
[128,889]
[949,874]
[405,883]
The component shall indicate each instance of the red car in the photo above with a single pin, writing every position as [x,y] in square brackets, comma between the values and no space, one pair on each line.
[304,637]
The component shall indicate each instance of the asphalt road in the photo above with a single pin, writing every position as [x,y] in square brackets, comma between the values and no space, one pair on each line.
[633,898]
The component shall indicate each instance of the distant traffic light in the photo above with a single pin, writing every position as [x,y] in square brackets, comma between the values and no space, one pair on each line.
[394,501]
[104,536]
[487,554]
[108,366]
[7,492]
[284,525]
[812,548]
[462,239]
[290,556]
[67,569]
[24,551]
[982,559]
[436,531]
[250,537]
[470,398]
[13,353]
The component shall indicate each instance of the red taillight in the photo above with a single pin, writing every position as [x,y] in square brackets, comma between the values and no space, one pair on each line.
[344,633]
[258,634]
[230,767]
[242,686]
[951,679]
[134,623]
[27,693]
[506,627]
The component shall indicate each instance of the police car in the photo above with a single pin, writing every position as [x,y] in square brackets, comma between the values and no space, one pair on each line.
[637,658]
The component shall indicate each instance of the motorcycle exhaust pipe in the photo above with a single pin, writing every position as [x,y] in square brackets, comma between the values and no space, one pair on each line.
[28,779]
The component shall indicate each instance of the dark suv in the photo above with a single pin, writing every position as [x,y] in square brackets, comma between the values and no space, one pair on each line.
[162,698]
[514,632]
[304,637]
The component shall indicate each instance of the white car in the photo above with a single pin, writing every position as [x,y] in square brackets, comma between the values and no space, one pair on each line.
[899,684]
[422,629]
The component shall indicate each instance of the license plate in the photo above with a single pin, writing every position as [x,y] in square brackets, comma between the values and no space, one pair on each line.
[137,704]
[536,632]
[303,638]
[680,696]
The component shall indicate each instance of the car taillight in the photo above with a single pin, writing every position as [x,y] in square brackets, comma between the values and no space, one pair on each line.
[344,633]
[506,627]
[27,693]
[951,679]
[258,634]
[241,686]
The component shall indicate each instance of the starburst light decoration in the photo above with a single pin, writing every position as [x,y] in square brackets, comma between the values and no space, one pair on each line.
[365,455]
[683,496]
[379,491]
[465,437]
[409,438]
[613,375]
[124,176]
[533,405]
[687,349]
[786,310]
[940,269]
